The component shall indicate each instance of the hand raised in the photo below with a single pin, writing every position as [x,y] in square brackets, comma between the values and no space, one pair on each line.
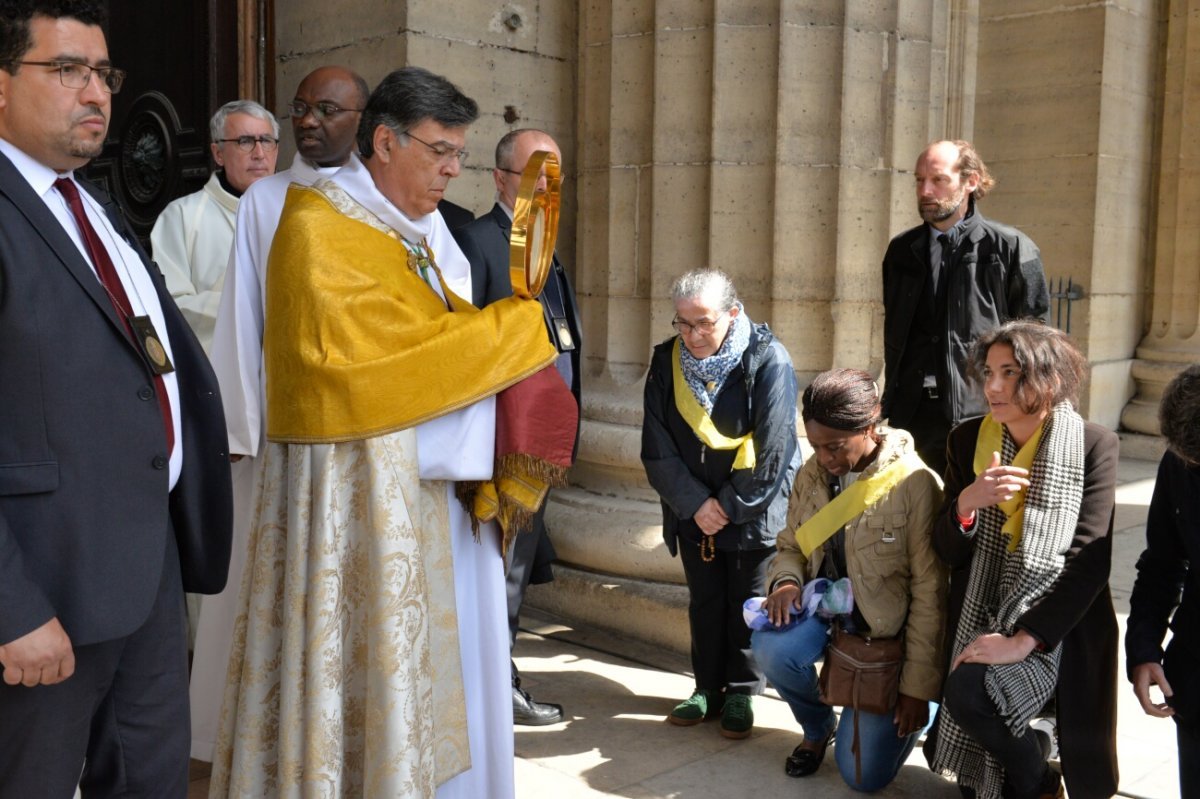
[994,485]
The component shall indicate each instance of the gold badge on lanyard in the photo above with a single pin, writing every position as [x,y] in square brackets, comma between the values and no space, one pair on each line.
[150,345]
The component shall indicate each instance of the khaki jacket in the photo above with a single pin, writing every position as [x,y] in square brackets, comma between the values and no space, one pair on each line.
[898,580]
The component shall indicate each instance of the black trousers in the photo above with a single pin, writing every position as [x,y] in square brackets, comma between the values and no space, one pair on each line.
[124,711]
[528,562]
[929,428]
[721,656]
[968,703]
[1189,761]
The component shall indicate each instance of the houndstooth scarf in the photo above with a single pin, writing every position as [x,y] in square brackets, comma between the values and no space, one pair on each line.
[1003,585]
[706,376]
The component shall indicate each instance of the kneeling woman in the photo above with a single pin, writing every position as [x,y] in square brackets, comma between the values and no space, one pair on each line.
[1026,529]
[877,535]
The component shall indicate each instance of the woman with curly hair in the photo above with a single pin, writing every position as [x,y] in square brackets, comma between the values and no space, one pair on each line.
[1026,529]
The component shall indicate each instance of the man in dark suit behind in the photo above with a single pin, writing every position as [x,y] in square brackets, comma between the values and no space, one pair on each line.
[485,243]
[114,481]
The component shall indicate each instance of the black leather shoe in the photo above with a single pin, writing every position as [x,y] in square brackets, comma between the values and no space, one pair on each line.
[534,714]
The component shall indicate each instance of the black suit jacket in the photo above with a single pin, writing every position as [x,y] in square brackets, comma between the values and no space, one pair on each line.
[485,243]
[84,505]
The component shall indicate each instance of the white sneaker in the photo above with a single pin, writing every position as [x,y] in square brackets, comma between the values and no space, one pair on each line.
[1048,729]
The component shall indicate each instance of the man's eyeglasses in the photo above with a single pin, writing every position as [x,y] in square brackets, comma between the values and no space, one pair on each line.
[76,75]
[561,178]
[704,327]
[246,143]
[299,109]
[445,154]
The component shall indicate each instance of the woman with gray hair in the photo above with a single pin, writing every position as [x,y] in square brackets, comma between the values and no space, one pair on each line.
[719,446]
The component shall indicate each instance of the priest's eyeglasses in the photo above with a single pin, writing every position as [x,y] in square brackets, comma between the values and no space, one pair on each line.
[322,111]
[704,327]
[247,143]
[445,153]
[76,75]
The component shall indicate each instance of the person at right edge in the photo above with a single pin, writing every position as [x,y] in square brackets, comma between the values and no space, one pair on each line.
[1165,589]
[1030,496]
[945,282]
[719,446]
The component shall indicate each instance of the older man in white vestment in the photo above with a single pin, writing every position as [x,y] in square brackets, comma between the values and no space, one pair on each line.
[325,112]
[193,235]
[370,650]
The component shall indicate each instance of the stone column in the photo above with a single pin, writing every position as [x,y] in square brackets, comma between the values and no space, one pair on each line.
[772,139]
[1173,342]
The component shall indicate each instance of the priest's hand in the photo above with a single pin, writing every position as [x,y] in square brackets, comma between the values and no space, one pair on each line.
[711,517]
[41,657]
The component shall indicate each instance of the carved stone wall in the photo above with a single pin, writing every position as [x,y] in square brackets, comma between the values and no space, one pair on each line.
[776,139]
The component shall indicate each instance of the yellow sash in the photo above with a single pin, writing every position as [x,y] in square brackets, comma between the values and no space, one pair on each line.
[701,423]
[991,439]
[357,345]
[850,504]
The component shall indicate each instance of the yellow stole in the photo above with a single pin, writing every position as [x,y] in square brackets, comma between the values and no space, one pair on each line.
[357,345]
[991,439]
[862,494]
[701,423]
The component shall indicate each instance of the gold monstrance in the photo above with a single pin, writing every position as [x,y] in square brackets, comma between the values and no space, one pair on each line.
[535,225]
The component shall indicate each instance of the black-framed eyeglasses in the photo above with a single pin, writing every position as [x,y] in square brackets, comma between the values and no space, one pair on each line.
[323,110]
[246,143]
[704,327]
[445,154]
[75,74]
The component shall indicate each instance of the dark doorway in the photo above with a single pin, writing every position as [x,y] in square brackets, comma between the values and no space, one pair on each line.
[182,60]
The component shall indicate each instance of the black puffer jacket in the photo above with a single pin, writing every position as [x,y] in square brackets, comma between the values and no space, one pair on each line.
[758,395]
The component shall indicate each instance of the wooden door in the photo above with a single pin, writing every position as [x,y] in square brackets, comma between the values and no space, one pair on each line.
[182,62]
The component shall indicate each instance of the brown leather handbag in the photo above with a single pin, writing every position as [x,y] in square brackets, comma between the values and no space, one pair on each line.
[861,673]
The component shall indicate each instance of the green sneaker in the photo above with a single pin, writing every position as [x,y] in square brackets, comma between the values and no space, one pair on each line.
[737,720]
[704,704]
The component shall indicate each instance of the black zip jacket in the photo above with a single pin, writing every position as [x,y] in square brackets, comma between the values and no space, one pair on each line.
[760,396]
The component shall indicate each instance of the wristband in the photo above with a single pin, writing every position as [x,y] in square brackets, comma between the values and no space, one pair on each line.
[964,521]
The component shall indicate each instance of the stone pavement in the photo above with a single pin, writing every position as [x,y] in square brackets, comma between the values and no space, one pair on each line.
[617,693]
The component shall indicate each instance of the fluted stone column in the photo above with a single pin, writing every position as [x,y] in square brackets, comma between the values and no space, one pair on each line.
[772,139]
[1173,341]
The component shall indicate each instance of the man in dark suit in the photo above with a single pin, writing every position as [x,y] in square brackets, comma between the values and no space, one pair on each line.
[114,480]
[485,243]
[944,282]
[455,215]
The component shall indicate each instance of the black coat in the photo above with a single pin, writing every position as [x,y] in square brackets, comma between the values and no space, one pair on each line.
[1077,611]
[1167,588]
[760,396]
[84,503]
[995,275]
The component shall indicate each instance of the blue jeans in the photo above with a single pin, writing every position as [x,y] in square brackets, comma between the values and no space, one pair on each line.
[787,659]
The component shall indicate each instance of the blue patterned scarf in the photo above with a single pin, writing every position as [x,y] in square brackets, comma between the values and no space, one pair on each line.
[705,377]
